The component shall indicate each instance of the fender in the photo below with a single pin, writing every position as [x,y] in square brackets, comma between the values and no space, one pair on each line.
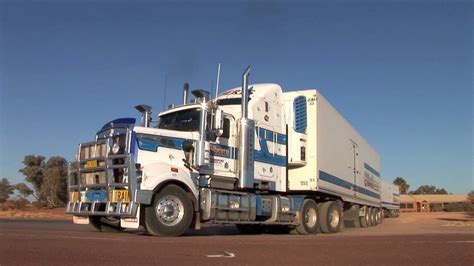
[157,173]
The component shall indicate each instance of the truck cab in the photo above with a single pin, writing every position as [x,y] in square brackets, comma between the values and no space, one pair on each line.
[205,160]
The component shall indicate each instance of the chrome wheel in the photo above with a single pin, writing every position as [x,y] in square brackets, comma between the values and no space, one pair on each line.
[169,210]
[309,221]
[311,217]
[334,218]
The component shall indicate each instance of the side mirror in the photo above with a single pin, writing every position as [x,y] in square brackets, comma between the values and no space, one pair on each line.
[146,114]
[219,132]
[218,120]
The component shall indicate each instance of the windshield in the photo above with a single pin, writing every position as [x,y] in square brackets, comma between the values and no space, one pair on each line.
[186,120]
[109,132]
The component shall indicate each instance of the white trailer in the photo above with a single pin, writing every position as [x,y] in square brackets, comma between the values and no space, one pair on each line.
[255,157]
[390,201]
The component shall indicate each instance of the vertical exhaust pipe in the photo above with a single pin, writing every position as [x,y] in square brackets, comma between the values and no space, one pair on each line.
[245,92]
[246,140]
[185,93]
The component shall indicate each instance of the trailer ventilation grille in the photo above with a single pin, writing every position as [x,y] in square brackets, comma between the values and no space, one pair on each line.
[299,106]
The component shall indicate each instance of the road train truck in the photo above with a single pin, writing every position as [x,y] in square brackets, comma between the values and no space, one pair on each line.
[253,156]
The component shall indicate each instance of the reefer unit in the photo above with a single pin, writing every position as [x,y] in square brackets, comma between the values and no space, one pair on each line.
[333,157]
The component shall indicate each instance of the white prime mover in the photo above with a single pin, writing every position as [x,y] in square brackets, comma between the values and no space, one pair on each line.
[255,157]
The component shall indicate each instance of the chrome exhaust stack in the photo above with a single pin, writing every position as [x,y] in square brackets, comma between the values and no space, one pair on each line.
[246,138]
[185,93]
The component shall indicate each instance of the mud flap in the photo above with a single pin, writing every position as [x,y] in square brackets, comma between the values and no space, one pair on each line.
[131,222]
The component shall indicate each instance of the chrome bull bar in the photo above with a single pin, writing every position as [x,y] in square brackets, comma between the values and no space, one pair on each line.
[95,188]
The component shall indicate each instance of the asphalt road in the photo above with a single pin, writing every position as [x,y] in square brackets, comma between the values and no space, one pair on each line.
[62,243]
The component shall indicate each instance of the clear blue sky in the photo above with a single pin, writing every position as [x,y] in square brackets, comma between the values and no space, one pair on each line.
[400,72]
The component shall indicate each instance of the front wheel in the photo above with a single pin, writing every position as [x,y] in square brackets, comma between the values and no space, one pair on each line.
[171,213]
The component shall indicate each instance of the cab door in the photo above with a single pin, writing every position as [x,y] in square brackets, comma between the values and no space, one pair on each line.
[222,151]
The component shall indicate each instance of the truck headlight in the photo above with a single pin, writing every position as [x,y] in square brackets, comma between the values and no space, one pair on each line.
[115,148]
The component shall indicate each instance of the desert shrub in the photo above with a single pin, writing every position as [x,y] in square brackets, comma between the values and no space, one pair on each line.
[15,204]
[459,207]
[40,204]
[20,204]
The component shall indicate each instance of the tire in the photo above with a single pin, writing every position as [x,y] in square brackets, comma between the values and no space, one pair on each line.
[309,218]
[374,217]
[105,224]
[382,215]
[330,217]
[170,214]
[364,220]
[370,217]
[378,218]
[250,229]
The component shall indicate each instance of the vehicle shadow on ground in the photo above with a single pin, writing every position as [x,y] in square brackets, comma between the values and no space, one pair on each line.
[206,231]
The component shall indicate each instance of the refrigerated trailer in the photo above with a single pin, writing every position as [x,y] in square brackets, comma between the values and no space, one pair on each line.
[256,157]
[390,200]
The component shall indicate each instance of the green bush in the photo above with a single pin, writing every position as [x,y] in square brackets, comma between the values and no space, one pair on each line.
[459,207]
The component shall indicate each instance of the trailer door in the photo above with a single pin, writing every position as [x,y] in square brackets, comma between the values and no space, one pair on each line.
[355,165]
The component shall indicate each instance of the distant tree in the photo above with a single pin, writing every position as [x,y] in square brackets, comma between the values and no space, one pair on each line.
[54,188]
[402,184]
[5,190]
[427,189]
[24,190]
[33,170]
[470,196]
[49,179]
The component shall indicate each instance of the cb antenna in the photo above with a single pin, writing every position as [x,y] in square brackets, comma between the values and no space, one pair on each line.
[218,78]
[164,96]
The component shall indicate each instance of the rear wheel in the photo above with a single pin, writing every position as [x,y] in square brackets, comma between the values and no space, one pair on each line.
[373,217]
[309,218]
[105,224]
[171,213]
[379,216]
[330,217]
[364,220]
[370,216]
